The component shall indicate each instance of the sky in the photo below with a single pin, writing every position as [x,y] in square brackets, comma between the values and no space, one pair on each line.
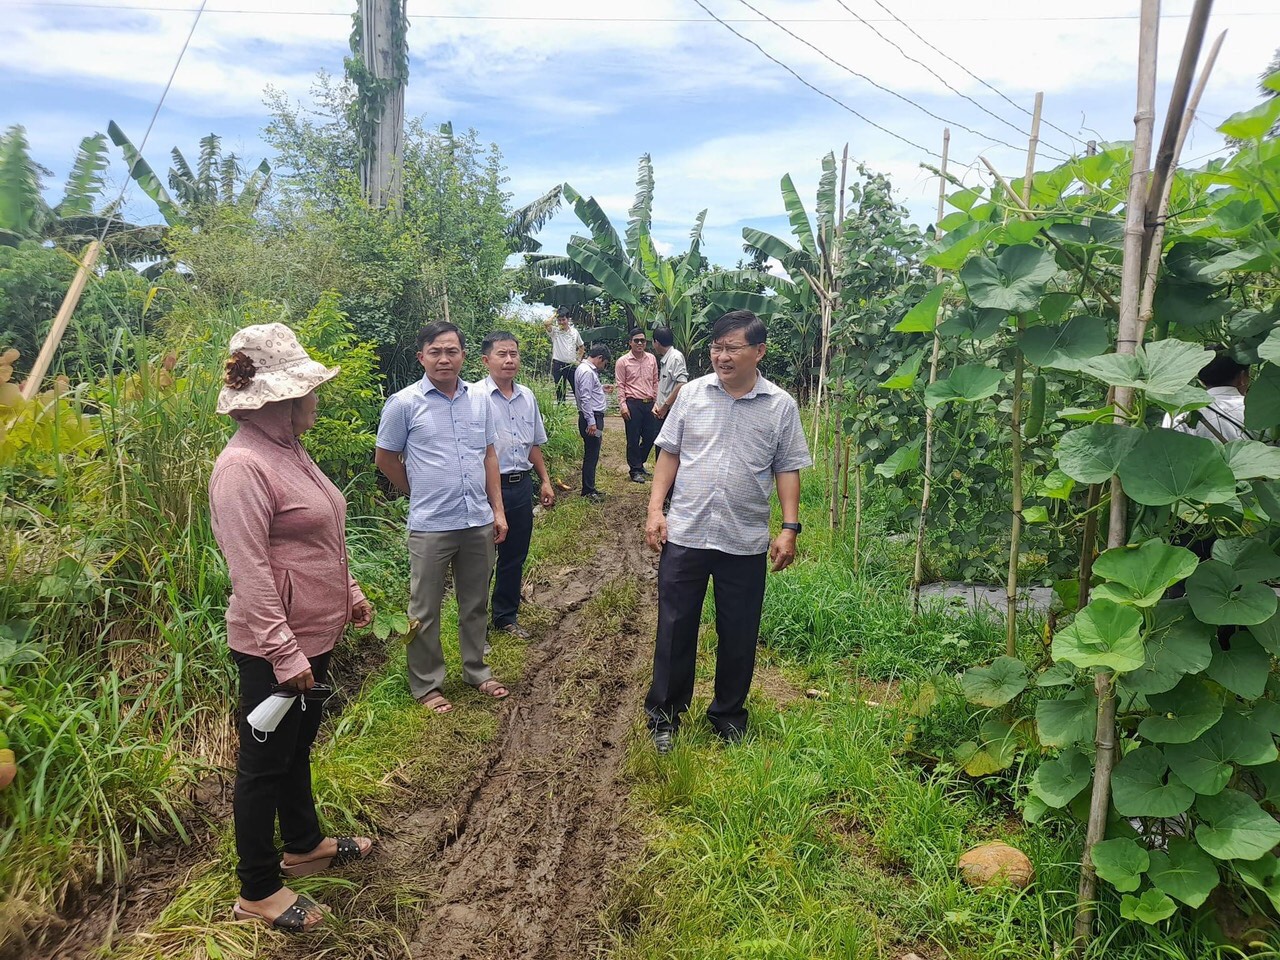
[576,90]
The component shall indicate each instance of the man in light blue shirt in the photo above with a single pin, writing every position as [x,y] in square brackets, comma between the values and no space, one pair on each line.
[520,436]
[435,443]
[589,394]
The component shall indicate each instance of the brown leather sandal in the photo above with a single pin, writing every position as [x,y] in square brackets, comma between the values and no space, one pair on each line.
[491,687]
[435,702]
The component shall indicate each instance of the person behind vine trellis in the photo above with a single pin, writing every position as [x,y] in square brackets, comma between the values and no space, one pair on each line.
[281,524]
[1227,381]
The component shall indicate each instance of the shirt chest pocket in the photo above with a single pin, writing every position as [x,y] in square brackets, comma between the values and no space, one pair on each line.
[758,446]
[476,433]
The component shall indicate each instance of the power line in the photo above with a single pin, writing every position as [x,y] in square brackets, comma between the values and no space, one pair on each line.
[111,211]
[47,4]
[878,86]
[938,76]
[947,56]
[823,93]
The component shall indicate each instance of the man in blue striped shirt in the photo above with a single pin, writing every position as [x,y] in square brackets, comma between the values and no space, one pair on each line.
[435,443]
[520,436]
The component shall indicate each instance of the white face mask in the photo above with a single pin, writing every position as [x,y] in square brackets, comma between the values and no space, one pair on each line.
[267,715]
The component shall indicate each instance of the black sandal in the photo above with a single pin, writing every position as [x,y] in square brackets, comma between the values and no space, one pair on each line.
[293,920]
[348,852]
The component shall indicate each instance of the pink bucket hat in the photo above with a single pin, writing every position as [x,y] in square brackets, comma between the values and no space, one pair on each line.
[268,364]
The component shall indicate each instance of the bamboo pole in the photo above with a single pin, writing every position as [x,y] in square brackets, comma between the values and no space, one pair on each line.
[45,357]
[917,574]
[1015,422]
[1126,343]
[1156,246]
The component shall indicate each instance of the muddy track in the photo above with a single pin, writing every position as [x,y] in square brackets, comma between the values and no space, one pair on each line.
[527,867]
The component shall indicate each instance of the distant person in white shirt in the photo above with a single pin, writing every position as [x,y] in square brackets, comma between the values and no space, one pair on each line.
[673,372]
[567,350]
[1227,381]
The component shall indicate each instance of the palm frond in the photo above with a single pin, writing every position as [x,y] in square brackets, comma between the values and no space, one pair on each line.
[85,183]
[525,221]
[22,206]
[641,213]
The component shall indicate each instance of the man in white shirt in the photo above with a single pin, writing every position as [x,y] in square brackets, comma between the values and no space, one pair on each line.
[567,350]
[1227,382]
[731,437]
[673,372]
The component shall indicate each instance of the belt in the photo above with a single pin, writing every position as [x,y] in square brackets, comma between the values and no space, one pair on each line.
[514,478]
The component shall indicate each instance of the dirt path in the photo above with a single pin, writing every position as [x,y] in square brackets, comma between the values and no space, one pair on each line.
[521,863]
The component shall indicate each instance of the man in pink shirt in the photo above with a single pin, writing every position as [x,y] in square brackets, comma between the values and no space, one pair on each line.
[636,377]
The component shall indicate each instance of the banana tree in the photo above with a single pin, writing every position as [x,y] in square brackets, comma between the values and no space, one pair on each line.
[212,183]
[681,291]
[73,220]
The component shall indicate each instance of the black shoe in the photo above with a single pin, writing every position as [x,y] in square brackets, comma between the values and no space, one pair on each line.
[595,496]
[730,735]
[662,741]
[637,476]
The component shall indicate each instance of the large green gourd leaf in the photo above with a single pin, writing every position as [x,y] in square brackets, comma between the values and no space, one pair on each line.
[1220,597]
[1092,454]
[1178,644]
[1183,871]
[1235,827]
[1143,786]
[1059,781]
[997,684]
[1262,403]
[1206,763]
[1065,722]
[1252,559]
[1104,634]
[1183,713]
[1064,346]
[921,317]
[1140,575]
[967,384]
[1166,466]
[1263,875]
[1120,862]
[1241,665]
[1013,281]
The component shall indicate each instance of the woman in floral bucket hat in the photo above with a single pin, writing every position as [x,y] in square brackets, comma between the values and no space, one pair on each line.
[281,525]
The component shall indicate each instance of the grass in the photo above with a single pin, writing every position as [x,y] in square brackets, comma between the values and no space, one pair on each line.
[820,835]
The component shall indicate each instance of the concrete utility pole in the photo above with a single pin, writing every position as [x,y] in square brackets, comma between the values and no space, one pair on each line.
[379,68]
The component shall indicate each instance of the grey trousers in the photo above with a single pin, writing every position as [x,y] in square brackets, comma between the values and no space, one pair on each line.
[471,553]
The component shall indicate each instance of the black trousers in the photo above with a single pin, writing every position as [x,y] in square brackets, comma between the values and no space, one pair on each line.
[562,376]
[739,593]
[517,500]
[590,451]
[273,780]
[642,430]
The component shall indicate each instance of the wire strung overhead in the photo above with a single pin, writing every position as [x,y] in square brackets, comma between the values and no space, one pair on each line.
[878,86]
[114,208]
[836,100]
[920,63]
[953,60]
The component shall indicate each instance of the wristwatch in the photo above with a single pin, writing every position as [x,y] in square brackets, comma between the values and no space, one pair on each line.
[792,526]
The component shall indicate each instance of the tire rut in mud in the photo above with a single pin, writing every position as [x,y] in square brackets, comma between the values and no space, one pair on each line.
[526,870]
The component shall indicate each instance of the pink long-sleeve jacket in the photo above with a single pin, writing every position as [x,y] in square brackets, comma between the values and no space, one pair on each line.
[282,527]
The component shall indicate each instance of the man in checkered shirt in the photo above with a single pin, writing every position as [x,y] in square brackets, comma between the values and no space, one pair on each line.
[731,438]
